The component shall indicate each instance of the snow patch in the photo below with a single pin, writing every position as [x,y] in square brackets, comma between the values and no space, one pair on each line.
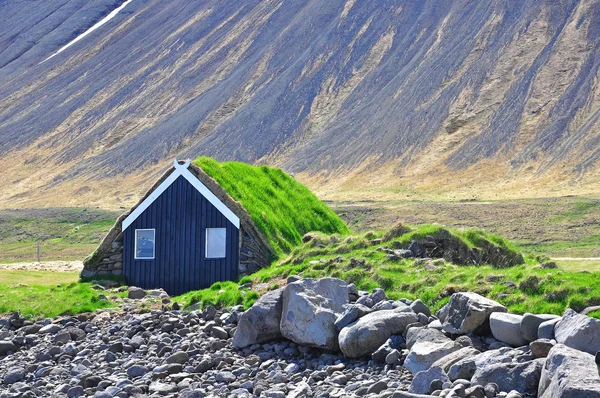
[90,30]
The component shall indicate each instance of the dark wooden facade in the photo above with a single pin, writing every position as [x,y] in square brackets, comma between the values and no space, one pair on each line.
[180,217]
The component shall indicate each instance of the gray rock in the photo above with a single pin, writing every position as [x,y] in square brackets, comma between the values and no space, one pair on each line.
[546,329]
[422,380]
[302,390]
[467,311]
[162,388]
[447,361]
[507,328]
[75,391]
[225,377]
[578,331]
[476,392]
[569,373]
[62,336]
[310,309]
[366,335]
[260,323]
[137,371]
[391,344]
[179,357]
[393,357]
[426,351]
[541,347]
[351,314]
[220,333]
[419,307]
[14,375]
[465,368]
[523,377]
[377,387]
[530,324]
[50,329]
[136,293]
[6,347]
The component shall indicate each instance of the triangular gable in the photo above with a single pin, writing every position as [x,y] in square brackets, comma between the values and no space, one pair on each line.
[181,171]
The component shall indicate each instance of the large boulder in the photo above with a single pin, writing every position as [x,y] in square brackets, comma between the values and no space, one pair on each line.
[310,309]
[466,368]
[431,346]
[446,362]
[522,377]
[261,322]
[366,335]
[467,312]
[507,328]
[546,329]
[530,324]
[569,373]
[578,331]
[351,314]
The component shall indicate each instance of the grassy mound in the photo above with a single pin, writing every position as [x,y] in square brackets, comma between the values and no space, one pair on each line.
[280,206]
[366,261]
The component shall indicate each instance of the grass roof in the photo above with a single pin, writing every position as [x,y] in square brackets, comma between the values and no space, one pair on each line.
[281,207]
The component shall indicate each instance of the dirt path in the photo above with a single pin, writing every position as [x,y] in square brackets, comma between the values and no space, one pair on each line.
[576,258]
[58,266]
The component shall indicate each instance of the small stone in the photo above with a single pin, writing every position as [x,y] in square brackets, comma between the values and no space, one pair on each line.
[136,293]
[393,357]
[75,391]
[179,357]
[136,371]
[541,347]
[377,387]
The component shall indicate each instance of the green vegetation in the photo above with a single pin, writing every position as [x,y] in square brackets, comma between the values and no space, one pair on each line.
[220,293]
[363,260]
[47,294]
[280,206]
[64,234]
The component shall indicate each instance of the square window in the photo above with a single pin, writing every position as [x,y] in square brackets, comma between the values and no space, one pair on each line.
[144,244]
[215,242]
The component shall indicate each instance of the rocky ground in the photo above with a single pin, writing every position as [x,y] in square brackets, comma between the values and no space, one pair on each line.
[311,338]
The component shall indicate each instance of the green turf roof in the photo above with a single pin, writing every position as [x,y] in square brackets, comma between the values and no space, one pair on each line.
[281,207]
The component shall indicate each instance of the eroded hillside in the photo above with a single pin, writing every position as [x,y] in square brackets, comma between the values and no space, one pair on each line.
[359,98]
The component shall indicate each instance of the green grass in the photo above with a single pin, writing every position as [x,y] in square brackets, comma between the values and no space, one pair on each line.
[522,288]
[63,233]
[221,293]
[281,207]
[47,294]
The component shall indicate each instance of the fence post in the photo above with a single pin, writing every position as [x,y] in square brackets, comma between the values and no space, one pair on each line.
[38,252]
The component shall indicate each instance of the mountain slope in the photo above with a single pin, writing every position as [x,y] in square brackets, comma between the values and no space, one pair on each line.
[393,93]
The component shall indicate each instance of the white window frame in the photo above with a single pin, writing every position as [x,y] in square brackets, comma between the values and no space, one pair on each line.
[206,244]
[136,244]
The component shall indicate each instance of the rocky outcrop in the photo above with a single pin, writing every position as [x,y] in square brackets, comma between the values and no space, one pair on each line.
[507,328]
[427,348]
[569,373]
[466,312]
[310,310]
[366,335]
[578,331]
[522,377]
[193,353]
[530,324]
[261,323]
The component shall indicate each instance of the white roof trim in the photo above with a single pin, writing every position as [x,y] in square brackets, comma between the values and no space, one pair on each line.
[181,170]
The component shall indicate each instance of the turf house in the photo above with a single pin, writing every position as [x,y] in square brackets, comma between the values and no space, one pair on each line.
[205,221]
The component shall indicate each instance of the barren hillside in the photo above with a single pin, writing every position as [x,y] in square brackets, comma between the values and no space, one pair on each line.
[359,98]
